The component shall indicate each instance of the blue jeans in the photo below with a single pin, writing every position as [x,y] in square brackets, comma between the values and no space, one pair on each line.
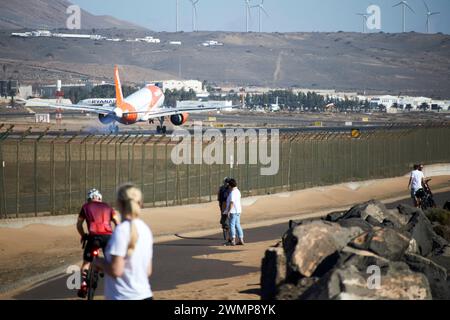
[235,224]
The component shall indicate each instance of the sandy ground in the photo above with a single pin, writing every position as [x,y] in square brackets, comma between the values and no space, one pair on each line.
[236,288]
[35,249]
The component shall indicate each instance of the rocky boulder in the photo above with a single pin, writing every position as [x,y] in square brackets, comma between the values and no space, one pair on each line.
[374,212]
[273,271]
[367,252]
[307,246]
[436,274]
[426,238]
[385,242]
[348,282]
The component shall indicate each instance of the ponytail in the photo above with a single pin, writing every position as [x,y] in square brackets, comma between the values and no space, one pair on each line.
[130,199]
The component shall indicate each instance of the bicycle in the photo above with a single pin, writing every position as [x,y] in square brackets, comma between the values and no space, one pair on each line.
[425,195]
[92,275]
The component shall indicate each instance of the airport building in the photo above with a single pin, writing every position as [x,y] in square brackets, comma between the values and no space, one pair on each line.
[51,89]
[187,85]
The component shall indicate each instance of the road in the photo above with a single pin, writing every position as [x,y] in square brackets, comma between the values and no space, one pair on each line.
[174,262]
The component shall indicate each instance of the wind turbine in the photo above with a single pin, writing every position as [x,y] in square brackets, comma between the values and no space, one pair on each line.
[404,5]
[177,15]
[365,16]
[247,14]
[429,14]
[194,14]
[260,8]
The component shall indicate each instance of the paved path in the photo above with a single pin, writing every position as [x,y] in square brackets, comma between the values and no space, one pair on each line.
[174,263]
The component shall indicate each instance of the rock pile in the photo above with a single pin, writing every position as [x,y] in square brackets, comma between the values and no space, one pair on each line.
[367,252]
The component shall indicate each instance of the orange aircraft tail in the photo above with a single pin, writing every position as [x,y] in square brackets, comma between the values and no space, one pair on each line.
[118,85]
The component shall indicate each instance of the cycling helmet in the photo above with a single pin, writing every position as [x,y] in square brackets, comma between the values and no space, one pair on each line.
[226,180]
[94,193]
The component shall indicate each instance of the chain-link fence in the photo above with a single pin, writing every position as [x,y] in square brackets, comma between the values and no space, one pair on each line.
[43,174]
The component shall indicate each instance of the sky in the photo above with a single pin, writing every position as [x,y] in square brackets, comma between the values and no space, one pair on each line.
[284,15]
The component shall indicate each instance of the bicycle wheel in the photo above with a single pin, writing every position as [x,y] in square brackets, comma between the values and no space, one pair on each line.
[92,283]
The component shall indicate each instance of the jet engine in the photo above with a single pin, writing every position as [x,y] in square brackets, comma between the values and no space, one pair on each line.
[179,119]
[106,118]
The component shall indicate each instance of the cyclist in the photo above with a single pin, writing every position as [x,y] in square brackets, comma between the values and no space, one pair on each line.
[98,216]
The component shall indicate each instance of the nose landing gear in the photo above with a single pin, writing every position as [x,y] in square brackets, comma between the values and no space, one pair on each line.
[161,129]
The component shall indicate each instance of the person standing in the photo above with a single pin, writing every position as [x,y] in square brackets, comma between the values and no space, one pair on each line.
[128,258]
[416,182]
[234,209]
[222,197]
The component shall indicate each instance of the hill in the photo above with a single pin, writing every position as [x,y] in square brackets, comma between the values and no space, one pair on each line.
[49,14]
[410,63]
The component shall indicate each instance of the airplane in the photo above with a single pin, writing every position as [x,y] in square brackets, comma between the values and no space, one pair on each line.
[275,107]
[144,105]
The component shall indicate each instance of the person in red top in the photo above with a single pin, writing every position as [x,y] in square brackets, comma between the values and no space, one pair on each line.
[99,217]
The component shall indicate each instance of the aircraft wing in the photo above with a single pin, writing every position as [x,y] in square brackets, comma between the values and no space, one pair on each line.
[76,107]
[172,111]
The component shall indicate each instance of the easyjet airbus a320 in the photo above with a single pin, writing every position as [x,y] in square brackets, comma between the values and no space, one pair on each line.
[144,105]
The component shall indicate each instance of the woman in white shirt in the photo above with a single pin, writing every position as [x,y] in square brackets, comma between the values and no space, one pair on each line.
[128,257]
[234,209]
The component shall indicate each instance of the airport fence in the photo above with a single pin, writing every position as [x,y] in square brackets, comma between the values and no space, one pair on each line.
[42,174]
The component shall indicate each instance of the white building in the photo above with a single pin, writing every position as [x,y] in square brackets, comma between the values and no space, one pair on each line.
[187,85]
[149,39]
[223,105]
[21,34]
[440,105]
[25,91]
[41,33]
[73,36]
[212,43]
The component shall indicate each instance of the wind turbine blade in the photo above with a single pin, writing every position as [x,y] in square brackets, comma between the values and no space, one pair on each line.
[398,4]
[426,6]
[264,10]
[409,7]
[434,13]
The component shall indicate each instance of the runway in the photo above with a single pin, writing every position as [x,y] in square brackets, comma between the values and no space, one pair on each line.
[83,125]
[174,262]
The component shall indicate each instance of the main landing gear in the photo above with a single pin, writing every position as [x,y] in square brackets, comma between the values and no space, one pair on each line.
[161,129]
[113,128]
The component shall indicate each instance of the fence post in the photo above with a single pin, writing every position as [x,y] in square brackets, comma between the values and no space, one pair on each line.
[209,181]
[154,172]
[142,165]
[35,178]
[289,181]
[69,142]
[166,175]
[107,159]
[133,157]
[85,164]
[3,206]
[52,176]
[18,170]
[200,171]
[101,160]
